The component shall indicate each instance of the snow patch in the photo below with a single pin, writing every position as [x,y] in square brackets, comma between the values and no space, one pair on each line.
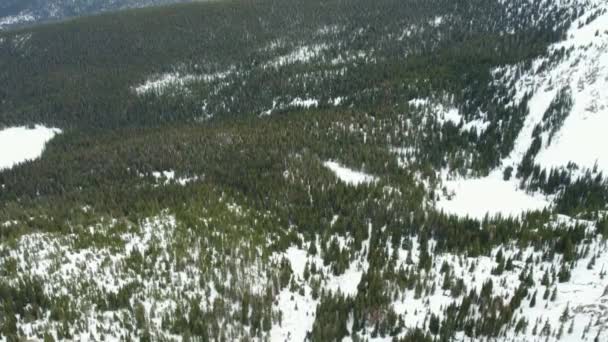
[337,101]
[436,21]
[297,102]
[304,103]
[19,144]
[298,317]
[349,176]
[444,113]
[490,195]
[302,54]
[160,83]
[23,17]
[168,177]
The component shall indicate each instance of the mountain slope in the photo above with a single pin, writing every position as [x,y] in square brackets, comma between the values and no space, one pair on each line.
[330,170]
[568,103]
[15,13]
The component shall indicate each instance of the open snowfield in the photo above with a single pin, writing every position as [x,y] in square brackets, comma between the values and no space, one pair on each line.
[18,144]
[490,195]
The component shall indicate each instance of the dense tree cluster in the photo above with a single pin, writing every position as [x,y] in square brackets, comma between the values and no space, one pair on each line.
[106,169]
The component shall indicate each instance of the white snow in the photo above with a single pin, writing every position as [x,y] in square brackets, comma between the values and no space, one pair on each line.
[302,54]
[329,30]
[298,312]
[337,101]
[476,197]
[349,176]
[19,144]
[452,115]
[444,111]
[347,282]
[304,103]
[22,17]
[297,102]
[298,316]
[582,137]
[419,102]
[436,21]
[65,265]
[479,125]
[168,177]
[585,293]
[160,83]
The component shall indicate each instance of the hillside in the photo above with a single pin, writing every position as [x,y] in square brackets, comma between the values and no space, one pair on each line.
[291,170]
[19,13]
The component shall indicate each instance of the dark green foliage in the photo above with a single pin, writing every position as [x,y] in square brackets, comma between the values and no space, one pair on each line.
[114,140]
[557,112]
[331,316]
[26,299]
[91,68]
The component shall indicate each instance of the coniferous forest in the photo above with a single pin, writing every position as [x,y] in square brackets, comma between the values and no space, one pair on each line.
[192,194]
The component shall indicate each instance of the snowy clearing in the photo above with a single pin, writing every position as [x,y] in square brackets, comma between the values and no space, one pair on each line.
[19,144]
[490,195]
[349,176]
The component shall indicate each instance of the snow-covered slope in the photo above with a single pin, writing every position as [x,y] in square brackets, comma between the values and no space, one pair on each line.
[572,310]
[580,75]
[18,144]
[14,13]
[568,112]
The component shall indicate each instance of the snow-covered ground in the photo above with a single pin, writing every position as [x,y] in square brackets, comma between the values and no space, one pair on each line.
[298,102]
[158,84]
[444,113]
[19,144]
[63,266]
[476,197]
[23,17]
[584,71]
[349,176]
[581,138]
[168,177]
[585,294]
[302,54]
[67,263]
[298,311]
